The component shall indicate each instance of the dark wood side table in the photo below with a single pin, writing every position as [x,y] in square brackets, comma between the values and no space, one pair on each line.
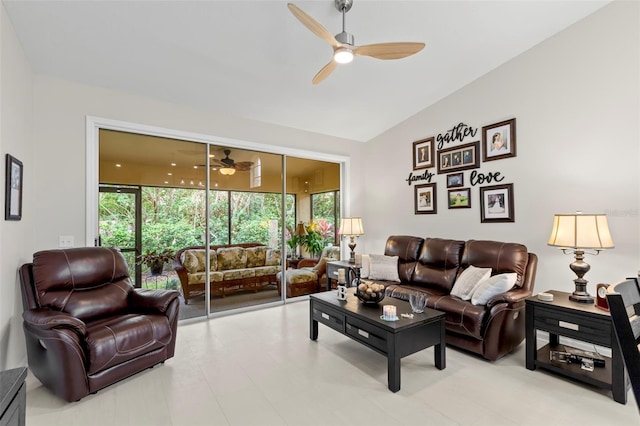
[334,267]
[13,397]
[292,263]
[579,321]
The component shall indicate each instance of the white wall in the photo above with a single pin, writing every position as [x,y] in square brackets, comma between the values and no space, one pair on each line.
[575,97]
[16,138]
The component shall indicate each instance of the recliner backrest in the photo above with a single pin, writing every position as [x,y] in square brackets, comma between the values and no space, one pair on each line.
[407,249]
[86,282]
[438,263]
[501,257]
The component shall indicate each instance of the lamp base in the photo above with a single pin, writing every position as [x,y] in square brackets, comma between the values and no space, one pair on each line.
[352,246]
[581,297]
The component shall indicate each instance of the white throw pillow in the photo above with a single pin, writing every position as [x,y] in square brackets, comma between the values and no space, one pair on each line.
[468,280]
[366,266]
[383,268]
[492,287]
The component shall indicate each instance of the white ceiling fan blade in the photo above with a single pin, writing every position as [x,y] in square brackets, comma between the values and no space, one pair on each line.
[324,72]
[313,25]
[389,50]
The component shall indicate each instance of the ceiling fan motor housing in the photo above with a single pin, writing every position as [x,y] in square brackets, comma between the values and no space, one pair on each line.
[343,5]
[345,38]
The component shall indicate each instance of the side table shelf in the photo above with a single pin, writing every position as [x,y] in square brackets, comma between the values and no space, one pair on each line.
[13,397]
[581,322]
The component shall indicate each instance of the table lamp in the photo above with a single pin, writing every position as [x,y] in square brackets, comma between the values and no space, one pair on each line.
[575,233]
[301,231]
[351,227]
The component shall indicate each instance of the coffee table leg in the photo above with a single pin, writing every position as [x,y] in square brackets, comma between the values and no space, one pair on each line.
[439,351]
[393,367]
[313,324]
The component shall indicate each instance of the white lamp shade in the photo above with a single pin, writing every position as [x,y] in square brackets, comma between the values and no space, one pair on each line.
[227,171]
[351,226]
[581,231]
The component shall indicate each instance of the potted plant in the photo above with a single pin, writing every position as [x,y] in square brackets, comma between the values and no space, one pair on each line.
[313,242]
[155,260]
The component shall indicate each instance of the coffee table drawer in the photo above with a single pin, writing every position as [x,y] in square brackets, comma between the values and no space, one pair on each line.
[329,317]
[367,334]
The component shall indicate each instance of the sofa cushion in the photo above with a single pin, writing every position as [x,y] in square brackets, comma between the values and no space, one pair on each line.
[256,256]
[493,286]
[236,274]
[438,263]
[500,257]
[468,281]
[272,257]
[262,271]
[407,249]
[193,260]
[231,258]
[384,268]
[200,277]
[115,340]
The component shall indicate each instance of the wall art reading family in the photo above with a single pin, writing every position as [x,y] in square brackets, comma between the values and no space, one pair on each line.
[460,198]
[423,153]
[425,199]
[461,157]
[496,203]
[499,140]
[13,189]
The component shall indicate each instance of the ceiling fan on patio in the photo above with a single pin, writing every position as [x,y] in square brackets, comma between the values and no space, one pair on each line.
[227,166]
[343,45]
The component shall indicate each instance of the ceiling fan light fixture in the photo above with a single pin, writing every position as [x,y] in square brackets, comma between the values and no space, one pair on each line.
[343,55]
[227,171]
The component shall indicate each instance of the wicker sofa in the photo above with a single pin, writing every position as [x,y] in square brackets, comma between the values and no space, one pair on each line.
[233,267]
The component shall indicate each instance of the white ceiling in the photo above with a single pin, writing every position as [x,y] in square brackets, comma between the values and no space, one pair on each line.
[253,59]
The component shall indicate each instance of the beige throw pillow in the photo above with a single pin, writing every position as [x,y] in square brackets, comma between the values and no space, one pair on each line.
[468,280]
[384,268]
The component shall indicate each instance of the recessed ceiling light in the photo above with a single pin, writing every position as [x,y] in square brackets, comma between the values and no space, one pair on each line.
[173,164]
[166,181]
[195,167]
[170,174]
[118,165]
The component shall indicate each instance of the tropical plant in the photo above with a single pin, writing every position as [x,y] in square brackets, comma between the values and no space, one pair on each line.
[313,242]
[155,260]
[292,241]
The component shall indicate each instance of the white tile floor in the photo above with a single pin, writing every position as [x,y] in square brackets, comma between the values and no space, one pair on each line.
[260,368]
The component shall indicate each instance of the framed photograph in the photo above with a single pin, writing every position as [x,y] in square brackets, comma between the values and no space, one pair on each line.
[455,179]
[461,157]
[499,140]
[425,199]
[423,153]
[496,203]
[460,198]
[13,189]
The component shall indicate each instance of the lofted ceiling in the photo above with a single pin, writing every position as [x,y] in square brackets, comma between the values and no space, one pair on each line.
[253,59]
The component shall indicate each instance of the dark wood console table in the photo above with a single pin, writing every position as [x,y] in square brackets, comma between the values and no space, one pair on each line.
[579,321]
[13,397]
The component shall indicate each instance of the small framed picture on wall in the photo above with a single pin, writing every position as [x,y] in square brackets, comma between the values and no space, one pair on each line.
[458,158]
[425,199]
[455,179]
[496,203]
[13,189]
[423,153]
[499,140]
[459,198]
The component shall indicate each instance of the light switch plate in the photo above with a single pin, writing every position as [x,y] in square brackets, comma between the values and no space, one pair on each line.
[66,241]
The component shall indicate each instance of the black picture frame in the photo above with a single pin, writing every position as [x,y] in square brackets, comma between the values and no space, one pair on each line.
[459,198]
[505,132]
[423,153]
[455,180]
[425,199]
[458,158]
[13,189]
[496,203]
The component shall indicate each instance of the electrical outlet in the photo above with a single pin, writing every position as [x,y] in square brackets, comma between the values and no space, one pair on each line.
[66,241]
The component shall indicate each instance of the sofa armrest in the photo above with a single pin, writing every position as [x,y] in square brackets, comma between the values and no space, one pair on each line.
[46,319]
[152,300]
[307,263]
[510,297]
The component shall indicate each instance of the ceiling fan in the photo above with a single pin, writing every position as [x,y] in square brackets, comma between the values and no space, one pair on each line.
[343,44]
[228,166]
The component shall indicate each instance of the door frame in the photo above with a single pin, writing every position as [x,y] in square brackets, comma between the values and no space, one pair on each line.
[94,124]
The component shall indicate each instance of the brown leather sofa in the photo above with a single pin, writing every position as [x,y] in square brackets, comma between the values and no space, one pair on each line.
[86,327]
[432,265]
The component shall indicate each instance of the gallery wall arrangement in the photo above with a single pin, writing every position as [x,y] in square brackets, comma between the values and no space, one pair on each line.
[452,158]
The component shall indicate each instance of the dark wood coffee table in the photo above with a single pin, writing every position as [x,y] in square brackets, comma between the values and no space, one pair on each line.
[394,340]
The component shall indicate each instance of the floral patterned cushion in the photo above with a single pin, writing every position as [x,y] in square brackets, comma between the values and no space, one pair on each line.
[231,258]
[236,274]
[262,271]
[193,260]
[295,276]
[256,256]
[273,257]
[199,277]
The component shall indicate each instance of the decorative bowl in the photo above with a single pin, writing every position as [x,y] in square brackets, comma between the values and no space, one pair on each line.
[370,292]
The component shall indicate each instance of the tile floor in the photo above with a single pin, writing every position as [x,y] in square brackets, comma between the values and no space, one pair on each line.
[260,368]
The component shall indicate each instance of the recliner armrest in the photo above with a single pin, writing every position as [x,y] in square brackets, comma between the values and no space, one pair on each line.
[46,319]
[510,297]
[152,300]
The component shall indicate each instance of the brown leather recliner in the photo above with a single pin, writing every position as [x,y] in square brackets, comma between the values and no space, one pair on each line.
[86,327]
